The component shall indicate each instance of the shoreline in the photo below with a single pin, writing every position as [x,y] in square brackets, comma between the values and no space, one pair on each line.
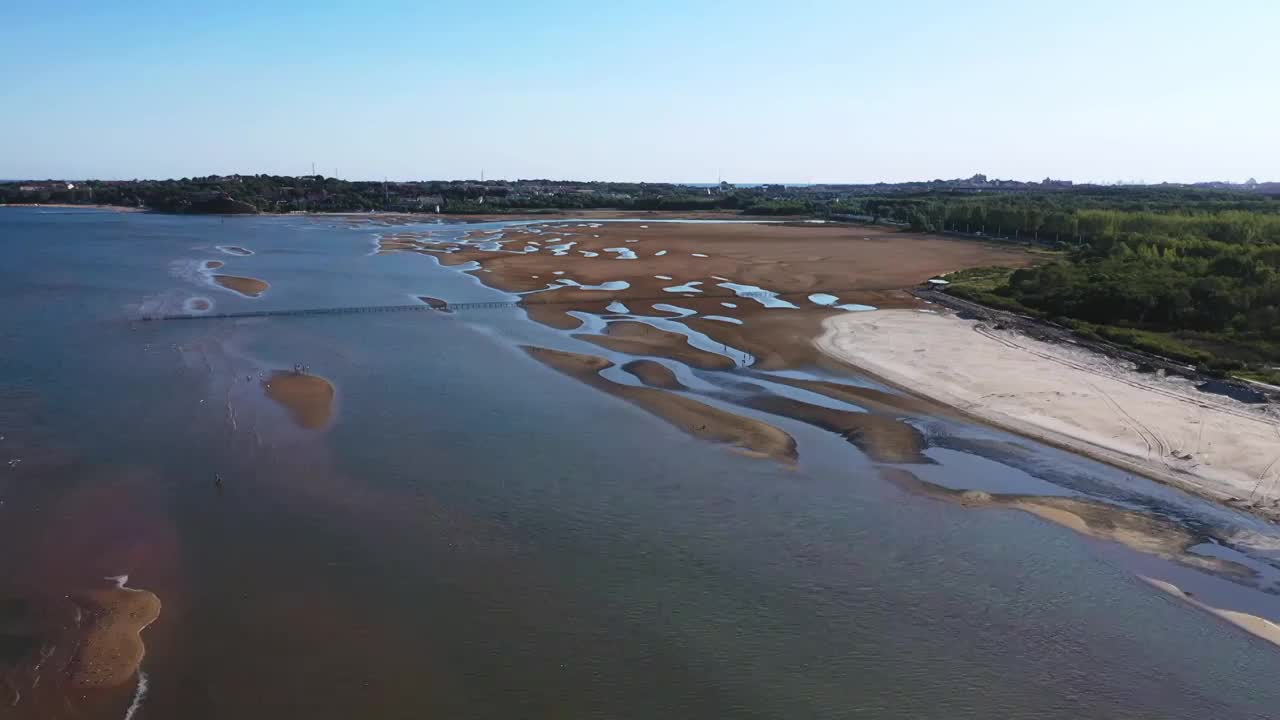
[1072,399]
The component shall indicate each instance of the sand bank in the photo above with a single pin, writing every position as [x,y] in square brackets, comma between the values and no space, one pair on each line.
[1161,428]
[1251,624]
[883,439]
[308,398]
[112,648]
[1146,533]
[654,374]
[249,287]
[718,262]
[434,303]
[699,419]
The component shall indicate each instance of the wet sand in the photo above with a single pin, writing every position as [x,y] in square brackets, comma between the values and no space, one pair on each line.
[864,265]
[112,648]
[308,398]
[654,374]
[1163,429]
[235,250]
[246,286]
[883,439]
[870,398]
[435,303]
[1145,533]
[785,259]
[638,338]
[746,435]
[1251,624]
[213,264]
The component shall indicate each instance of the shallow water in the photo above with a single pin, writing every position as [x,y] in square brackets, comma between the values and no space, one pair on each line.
[476,535]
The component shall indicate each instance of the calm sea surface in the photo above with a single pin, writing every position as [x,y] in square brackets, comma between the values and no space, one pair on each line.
[476,535]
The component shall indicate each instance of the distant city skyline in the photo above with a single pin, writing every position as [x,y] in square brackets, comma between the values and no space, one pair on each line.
[821,92]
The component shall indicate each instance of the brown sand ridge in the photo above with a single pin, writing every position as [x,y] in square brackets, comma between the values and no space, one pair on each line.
[555,316]
[213,264]
[435,303]
[249,287]
[870,398]
[638,338]
[748,435]
[654,374]
[112,647]
[788,259]
[883,439]
[1145,533]
[308,398]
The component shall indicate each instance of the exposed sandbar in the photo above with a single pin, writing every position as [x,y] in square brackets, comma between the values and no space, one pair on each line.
[246,286]
[654,374]
[308,398]
[748,435]
[1251,624]
[434,303]
[638,338]
[112,647]
[1145,533]
[883,439]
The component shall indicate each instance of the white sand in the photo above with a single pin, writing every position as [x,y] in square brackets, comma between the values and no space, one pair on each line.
[1159,427]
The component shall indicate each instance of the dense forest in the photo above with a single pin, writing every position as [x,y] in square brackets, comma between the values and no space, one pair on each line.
[1198,282]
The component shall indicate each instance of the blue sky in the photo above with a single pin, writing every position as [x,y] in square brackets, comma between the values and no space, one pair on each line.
[660,90]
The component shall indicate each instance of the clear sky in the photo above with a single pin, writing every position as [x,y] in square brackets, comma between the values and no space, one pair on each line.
[674,90]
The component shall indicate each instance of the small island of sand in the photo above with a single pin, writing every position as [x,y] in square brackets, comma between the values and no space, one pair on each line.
[112,648]
[308,398]
[248,287]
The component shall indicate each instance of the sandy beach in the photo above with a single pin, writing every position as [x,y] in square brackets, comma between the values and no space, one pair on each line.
[1162,428]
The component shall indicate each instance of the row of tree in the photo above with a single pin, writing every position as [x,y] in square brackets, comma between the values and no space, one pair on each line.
[1220,297]
[1045,221]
